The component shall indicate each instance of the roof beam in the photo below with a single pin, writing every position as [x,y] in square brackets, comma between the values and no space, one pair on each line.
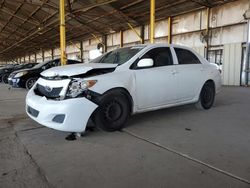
[204,3]
[11,17]
[27,19]
[13,14]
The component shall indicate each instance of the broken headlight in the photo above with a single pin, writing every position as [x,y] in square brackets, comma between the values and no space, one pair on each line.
[78,86]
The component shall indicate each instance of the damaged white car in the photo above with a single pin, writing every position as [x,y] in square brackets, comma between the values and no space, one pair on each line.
[120,83]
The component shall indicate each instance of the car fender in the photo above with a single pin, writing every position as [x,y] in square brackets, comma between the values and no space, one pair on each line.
[119,79]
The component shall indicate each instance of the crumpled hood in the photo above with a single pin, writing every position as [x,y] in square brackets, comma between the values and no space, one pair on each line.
[71,70]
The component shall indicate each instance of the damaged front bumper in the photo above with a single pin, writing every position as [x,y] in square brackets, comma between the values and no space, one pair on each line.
[70,115]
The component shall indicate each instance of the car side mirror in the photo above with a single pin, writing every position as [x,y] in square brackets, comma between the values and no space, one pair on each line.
[146,62]
[43,67]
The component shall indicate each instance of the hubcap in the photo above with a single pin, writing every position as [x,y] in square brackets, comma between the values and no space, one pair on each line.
[207,95]
[113,111]
[31,83]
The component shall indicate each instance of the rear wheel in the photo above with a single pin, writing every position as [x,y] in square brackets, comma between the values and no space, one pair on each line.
[207,95]
[30,82]
[5,78]
[113,111]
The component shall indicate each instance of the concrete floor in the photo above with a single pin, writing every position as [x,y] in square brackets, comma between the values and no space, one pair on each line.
[178,147]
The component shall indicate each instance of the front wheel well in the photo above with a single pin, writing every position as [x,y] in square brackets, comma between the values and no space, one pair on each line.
[122,91]
[210,81]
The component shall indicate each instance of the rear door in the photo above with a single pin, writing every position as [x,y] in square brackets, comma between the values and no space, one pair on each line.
[190,74]
[156,86]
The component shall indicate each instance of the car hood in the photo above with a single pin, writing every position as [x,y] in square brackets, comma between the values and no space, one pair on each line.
[77,69]
[20,70]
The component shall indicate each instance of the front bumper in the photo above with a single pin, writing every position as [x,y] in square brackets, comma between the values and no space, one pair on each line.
[14,82]
[69,115]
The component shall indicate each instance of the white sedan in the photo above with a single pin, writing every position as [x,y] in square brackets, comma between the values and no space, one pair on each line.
[120,83]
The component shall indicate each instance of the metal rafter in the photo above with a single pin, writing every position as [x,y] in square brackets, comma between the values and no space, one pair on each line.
[11,17]
[27,19]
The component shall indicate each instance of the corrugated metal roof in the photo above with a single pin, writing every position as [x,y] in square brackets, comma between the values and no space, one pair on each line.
[27,26]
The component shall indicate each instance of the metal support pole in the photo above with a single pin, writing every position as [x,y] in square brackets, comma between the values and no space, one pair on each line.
[35,58]
[62,32]
[52,54]
[152,20]
[121,38]
[142,34]
[169,30]
[104,40]
[81,51]
[246,63]
[207,32]
[43,55]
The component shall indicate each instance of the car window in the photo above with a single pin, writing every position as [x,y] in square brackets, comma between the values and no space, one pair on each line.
[186,57]
[70,62]
[109,58]
[161,56]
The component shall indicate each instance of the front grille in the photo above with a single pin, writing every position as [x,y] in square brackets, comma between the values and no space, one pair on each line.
[32,111]
[48,92]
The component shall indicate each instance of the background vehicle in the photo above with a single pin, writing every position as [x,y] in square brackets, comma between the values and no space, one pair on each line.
[120,83]
[26,78]
[5,72]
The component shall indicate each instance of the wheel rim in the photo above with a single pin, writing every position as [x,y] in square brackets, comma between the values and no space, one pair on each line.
[5,80]
[31,83]
[207,97]
[113,111]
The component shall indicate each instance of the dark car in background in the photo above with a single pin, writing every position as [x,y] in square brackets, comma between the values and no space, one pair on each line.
[8,69]
[26,78]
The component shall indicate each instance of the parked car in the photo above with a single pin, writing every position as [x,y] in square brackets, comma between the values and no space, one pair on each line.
[4,69]
[120,83]
[5,72]
[26,78]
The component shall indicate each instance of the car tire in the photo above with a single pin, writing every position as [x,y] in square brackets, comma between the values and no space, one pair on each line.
[30,82]
[113,111]
[207,95]
[5,78]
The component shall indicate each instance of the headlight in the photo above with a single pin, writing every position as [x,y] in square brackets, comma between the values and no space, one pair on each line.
[18,75]
[78,86]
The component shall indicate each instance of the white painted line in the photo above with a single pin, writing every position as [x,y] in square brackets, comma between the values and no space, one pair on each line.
[187,157]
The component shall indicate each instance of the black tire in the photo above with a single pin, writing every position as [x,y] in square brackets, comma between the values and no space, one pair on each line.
[207,95]
[113,111]
[5,78]
[30,82]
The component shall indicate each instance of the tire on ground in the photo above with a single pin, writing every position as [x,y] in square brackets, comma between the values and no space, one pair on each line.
[5,78]
[113,111]
[30,82]
[207,95]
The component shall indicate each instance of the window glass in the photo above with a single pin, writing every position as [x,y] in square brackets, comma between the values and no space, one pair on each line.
[161,56]
[109,58]
[186,57]
[118,56]
[215,56]
[70,62]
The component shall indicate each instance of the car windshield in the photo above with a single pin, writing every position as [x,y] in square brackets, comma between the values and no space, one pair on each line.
[118,56]
[19,66]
